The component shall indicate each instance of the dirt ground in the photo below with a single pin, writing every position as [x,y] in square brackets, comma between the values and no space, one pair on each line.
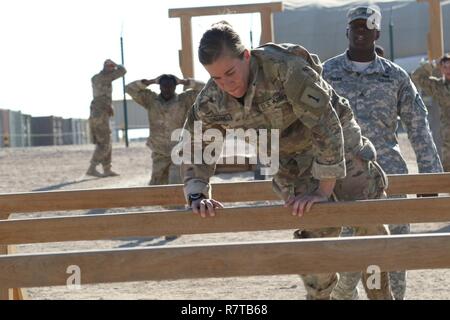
[63,168]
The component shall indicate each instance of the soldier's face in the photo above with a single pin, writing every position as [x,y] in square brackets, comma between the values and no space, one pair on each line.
[167,89]
[231,74]
[445,70]
[360,37]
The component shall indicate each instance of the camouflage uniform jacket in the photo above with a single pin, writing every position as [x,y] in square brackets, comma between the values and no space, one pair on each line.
[437,88]
[377,96]
[164,116]
[286,92]
[102,92]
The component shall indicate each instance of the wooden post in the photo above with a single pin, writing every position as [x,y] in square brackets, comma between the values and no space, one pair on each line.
[7,293]
[437,39]
[266,26]
[185,14]
[435,35]
[4,292]
[187,54]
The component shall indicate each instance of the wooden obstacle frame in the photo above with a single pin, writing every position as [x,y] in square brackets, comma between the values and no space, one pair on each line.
[185,15]
[215,260]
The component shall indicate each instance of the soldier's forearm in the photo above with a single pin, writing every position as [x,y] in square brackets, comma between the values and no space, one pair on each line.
[326,187]
[150,81]
[119,72]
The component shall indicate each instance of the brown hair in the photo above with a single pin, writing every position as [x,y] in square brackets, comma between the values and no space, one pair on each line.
[220,39]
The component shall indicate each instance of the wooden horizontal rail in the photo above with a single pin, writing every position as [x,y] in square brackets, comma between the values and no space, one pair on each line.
[221,10]
[419,183]
[173,195]
[229,260]
[125,225]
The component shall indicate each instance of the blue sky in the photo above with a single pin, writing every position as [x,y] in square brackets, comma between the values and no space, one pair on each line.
[51,49]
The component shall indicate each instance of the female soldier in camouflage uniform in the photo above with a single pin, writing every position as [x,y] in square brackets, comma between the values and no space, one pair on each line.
[322,155]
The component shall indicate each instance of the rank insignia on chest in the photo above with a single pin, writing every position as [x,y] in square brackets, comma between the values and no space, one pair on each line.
[385,78]
[276,99]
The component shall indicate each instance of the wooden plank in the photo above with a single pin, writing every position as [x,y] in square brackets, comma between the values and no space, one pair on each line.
[125,225]
[5,293]
[436,30]
[221,10]
[187,54]
[89,199]
[435,35]
[419,183]
[173,194]
[16,293]
[266,26]
[229,260]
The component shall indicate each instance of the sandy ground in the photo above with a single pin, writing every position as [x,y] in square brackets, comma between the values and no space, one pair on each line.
[62,168]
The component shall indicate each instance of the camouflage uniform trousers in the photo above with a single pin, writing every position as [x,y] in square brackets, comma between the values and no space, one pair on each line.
[101,137]
[398,278]
[364,180]
[346,288]
[163,170]
[445,134]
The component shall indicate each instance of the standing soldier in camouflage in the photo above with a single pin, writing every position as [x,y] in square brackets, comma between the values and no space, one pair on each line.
[439,90]
[379,91]
[322,155]
[166,113]
[101,111]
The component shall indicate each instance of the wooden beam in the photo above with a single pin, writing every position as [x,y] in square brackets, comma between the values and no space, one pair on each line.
[436,30]
[16,293]
[173,194]
[185,14]
[187,53]
[419,183]
[125,225]
[10,293]
[435,35]
[222,10]
[266,26]
[229,260]
[5,293]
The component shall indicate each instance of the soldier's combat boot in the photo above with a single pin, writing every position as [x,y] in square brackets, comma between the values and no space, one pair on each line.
[107,172]
[92,171]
